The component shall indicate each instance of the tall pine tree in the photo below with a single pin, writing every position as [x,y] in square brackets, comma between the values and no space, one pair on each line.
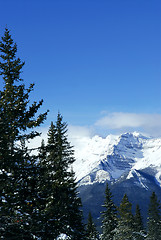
[62,210]
[125,227]
[139,232]
[92,233]
[109,216]
[154,219]
[17,165]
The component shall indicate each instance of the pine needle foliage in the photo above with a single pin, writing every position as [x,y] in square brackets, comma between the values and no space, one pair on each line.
[109,216]
[62,207]
[17,122]
[154,219]
[92,233]
[139,232]
[125,228]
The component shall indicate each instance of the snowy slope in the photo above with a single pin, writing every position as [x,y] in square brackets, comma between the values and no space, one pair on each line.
[113,157]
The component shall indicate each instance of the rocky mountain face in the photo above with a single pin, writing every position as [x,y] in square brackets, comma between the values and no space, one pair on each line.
[131,163]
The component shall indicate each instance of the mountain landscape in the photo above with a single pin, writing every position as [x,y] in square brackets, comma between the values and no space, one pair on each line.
[130,163]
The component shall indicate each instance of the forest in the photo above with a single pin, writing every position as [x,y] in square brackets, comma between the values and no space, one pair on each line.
[39,196]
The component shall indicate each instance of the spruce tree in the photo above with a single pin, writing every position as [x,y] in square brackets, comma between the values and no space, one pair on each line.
[139,232]
[154,219]
[125,227]
[109,216]
[92,233]
[42,186]
[62,210]
[17,120]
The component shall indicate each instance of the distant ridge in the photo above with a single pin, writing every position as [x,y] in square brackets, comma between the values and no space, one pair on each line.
[130,162]
[114,156]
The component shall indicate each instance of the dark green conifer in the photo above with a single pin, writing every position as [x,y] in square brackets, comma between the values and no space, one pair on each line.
[109,216]
[92,233]
[62,209]
[17,195]
[154,219]
[139,232]
[42,184]
[125,227]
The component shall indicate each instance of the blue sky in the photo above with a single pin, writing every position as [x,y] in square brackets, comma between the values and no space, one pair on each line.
[98,62]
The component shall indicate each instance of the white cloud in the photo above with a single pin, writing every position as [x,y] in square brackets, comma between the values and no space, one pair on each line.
[111,123]
[79,136]
[149,123]
[77,132]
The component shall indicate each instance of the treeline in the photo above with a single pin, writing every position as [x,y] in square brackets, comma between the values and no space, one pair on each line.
[118,223]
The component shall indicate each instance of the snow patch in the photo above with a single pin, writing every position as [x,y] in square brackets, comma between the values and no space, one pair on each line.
[63,237]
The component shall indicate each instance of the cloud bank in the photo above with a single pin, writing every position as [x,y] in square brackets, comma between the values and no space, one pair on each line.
[111,123]
[119,121]
[78,136]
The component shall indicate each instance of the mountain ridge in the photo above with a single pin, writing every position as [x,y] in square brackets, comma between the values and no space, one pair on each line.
[107,159]
[130,163]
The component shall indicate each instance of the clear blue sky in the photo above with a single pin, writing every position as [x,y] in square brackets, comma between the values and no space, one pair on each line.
[89,56]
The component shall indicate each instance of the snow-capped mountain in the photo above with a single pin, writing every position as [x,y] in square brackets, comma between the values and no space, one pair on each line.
[114,156]
[130,163]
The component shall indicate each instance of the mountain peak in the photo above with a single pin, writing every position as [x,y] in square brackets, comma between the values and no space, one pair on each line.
[115,156]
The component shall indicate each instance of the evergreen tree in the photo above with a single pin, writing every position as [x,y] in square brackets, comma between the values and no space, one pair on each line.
[62,210]
[42,186]
[125,228]
[109,216]
[154,219]
[139,232]
[17,175]
[92,233]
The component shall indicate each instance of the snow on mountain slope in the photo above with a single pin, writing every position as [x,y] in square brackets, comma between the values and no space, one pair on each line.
[114,156]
